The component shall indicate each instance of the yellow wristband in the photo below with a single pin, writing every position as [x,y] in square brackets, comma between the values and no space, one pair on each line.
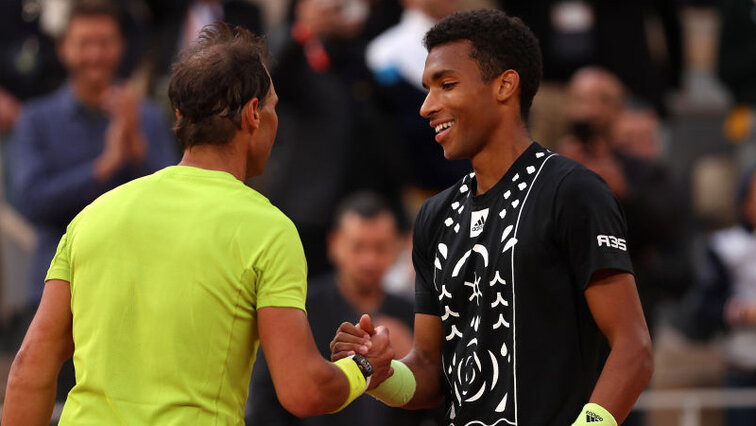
[595,415]
[357,383]
[397,390]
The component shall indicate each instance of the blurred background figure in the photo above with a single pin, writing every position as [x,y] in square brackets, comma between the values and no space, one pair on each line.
[725,297]
[29,65]
[87,137]
[652,201]
[362,245]
[396,59]
[639,41]
[335,139]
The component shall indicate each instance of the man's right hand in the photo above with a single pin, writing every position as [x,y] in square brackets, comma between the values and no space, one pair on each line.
[372,342]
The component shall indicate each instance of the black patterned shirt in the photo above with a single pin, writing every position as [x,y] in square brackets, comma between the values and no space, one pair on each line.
[506,271]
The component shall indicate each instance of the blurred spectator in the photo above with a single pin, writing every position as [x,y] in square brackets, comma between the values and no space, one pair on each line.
[397,58]
[725,298]
[595,100]
[335,140]
[362,245]
[29,63]
[28,30]
[614,34]
[84,139]
[655,209]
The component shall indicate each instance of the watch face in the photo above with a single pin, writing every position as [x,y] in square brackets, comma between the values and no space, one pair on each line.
[364,364]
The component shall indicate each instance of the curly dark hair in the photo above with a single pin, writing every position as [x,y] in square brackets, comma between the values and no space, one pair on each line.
[499,42]
[212,82]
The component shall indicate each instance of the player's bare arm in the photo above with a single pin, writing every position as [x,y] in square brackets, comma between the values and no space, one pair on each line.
[30,394]
[307,384]
[425,362]
[615,306]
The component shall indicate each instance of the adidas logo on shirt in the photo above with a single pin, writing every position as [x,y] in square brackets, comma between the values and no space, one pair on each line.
[477,222]
[591,417]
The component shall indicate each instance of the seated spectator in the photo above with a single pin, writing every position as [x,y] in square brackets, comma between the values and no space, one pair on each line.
[362,246]
[725,297]
[84,139]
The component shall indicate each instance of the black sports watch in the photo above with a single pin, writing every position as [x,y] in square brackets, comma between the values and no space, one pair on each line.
[365,367]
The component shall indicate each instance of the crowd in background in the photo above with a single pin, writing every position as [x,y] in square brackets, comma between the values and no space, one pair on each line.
[83,108]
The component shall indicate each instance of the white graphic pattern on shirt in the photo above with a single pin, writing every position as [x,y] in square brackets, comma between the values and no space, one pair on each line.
[474,372]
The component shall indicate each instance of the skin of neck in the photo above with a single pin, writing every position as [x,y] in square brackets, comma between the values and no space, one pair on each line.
[507,142]
[364,298]
[230,157]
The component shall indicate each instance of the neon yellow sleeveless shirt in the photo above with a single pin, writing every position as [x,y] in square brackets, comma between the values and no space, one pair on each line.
[167,274]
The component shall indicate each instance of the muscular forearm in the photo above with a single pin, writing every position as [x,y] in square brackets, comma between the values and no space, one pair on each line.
[30,394]
[615,306]
[323,389]
[306,384]
[626,373]
[427,374]
[425,362]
